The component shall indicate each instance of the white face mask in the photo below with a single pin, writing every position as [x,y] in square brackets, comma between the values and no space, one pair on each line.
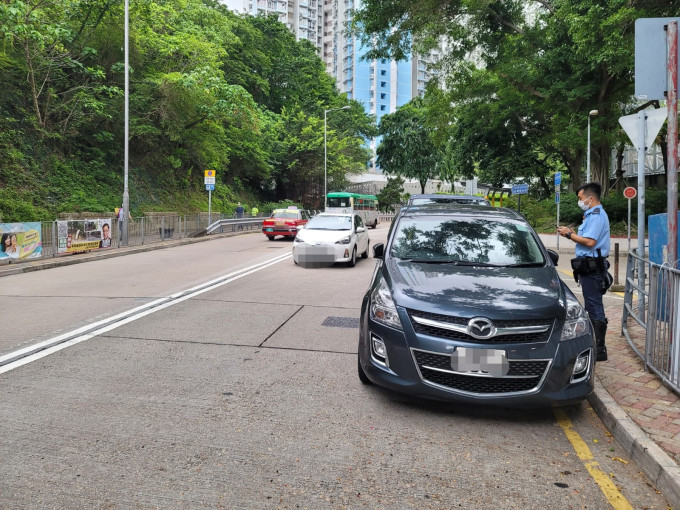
[582,204]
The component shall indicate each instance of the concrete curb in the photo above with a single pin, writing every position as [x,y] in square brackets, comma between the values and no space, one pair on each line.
[654,462]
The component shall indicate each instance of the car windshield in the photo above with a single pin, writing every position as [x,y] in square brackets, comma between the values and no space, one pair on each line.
[291,215]
[466,241]
[329,223]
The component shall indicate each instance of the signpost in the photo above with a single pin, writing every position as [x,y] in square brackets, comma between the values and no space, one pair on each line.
[519,190]
[558,182]
[209,181]
[630,193]
[656,77]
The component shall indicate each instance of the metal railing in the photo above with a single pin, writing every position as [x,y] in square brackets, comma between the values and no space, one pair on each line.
[652,295]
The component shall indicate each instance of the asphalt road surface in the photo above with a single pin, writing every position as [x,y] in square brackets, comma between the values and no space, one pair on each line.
[243,393]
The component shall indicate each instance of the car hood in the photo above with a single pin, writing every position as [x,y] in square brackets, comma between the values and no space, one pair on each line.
[463,291]
[322,236]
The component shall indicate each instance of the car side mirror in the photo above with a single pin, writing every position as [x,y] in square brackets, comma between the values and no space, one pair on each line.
[378,250]
[554,256]
[360,230]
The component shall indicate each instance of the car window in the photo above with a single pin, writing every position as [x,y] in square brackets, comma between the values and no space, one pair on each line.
[358,222]
[291,215]
[329,223]
[477,240]
[305,215]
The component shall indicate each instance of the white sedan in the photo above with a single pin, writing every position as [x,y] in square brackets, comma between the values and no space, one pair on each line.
[329,238]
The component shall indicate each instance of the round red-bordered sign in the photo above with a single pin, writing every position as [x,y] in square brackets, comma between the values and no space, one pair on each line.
[630,192]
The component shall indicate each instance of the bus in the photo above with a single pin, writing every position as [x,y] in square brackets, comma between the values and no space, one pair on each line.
[365,206]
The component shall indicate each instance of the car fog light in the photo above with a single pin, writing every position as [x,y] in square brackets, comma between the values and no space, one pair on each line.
[379,351]
[581,366]
[346,255]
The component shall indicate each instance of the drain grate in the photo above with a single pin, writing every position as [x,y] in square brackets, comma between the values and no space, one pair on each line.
[341,322]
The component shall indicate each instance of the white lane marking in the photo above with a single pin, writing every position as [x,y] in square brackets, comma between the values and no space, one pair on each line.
[23,356]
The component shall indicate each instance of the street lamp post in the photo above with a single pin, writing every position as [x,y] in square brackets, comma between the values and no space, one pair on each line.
[325,153]
[590,113]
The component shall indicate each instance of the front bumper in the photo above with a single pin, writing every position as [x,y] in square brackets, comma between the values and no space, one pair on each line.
[540,374]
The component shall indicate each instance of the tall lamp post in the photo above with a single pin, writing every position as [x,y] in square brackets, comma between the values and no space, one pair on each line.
[590,113]
[126,194]
[325,152]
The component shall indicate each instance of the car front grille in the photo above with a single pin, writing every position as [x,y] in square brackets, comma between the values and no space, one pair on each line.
[523,375]
[446,326]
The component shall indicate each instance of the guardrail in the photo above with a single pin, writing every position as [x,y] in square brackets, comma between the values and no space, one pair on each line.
[652,296]
[235,224]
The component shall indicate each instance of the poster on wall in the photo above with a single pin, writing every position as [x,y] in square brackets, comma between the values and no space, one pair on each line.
[83,235]
[20,240]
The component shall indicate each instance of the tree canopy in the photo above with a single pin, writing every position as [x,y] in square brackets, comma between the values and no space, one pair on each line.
[519,77]
[209,89]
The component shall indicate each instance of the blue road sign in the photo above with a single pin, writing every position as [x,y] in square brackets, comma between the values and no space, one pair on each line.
[210,187]
[558,178]
[520,189]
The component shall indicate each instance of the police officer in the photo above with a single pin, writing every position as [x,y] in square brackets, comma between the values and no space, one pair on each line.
[592,235]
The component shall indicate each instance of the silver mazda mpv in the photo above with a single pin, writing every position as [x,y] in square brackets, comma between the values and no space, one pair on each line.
[466,305]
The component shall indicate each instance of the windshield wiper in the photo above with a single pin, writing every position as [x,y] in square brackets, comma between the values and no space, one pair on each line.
[526,264]
[449,261]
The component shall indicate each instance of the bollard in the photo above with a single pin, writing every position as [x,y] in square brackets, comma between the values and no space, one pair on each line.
[616,263]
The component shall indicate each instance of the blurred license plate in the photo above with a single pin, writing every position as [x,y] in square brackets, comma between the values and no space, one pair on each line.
[492,362]
[269,230]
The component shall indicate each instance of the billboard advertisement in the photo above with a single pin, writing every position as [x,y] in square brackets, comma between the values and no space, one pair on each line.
[20,240]
[83,235]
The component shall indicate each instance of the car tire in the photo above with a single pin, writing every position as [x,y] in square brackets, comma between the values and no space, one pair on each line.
[362,375]
[364,255]
[375,223]
[353,259]
[271,238]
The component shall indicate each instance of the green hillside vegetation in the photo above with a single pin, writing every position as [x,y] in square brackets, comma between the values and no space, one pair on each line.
[208,90]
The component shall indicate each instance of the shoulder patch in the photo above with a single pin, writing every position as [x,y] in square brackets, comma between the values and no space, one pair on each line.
[595,211]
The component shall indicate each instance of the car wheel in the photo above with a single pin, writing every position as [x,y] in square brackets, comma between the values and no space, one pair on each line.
[375,223]
[362,375]
[353,259]
[364,255]
[271,238]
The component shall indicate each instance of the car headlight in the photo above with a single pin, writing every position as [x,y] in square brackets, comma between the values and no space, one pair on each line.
[344,240]
[576,324]
[382,306]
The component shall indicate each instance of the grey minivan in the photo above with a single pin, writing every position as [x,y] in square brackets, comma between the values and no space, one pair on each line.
[466,305]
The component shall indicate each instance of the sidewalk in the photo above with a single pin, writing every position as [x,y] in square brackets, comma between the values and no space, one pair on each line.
[641,413]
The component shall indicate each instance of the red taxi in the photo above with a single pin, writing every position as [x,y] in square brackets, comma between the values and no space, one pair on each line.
[284,222]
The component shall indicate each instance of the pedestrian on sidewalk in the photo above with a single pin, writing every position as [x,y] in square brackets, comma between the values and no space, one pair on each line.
[590,265]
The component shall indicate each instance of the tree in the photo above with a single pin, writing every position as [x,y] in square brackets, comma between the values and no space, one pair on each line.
[391,194]
[407,148]
[550,63]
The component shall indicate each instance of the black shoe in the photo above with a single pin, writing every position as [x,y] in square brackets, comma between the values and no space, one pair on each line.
[601,353]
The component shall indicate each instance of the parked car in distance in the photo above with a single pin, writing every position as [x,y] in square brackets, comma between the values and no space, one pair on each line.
[329,238]
[284,222]
[440,198]
[466,305]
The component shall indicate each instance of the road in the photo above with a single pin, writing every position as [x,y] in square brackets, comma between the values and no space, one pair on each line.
[244,394]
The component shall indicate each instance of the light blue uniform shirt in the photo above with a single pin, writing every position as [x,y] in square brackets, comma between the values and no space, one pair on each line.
[595,226]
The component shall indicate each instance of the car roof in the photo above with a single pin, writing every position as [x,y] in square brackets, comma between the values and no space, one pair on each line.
[334,214]
[462,210]
[448,196]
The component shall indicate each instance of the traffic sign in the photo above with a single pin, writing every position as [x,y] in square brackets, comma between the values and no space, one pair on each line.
[210,173]
[630,192]
[210,187]
[558,178]
[209,180]
[653,120]
[520,189]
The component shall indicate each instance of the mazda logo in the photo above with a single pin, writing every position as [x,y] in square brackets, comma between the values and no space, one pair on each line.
[481,328]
